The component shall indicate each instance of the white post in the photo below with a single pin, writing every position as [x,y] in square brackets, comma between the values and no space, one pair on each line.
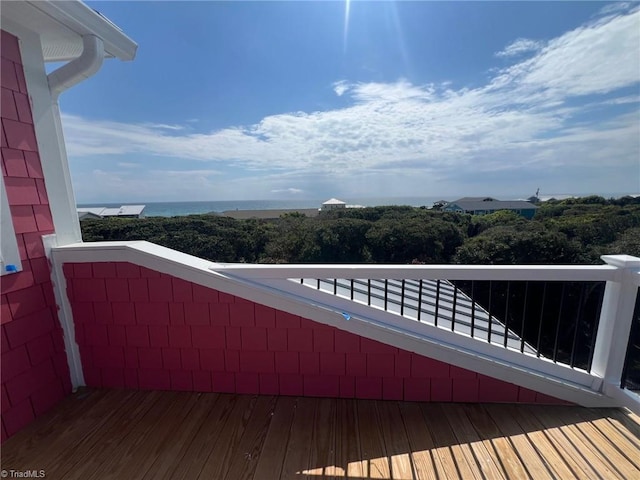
[615,319]
[48,128]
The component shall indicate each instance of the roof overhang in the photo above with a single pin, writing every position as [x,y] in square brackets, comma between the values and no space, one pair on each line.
[62,24]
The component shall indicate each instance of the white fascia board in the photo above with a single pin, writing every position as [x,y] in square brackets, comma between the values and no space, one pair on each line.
[83,20]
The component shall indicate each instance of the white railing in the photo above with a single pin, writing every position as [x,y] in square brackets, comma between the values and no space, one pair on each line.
[272,285]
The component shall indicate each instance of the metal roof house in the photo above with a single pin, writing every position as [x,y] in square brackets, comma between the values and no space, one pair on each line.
[332,204]
[133,360]
[487,205]
[125,211]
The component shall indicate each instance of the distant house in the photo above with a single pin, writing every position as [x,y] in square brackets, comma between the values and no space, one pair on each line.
[88,216]
[487,205]
[125,211]
[333,204]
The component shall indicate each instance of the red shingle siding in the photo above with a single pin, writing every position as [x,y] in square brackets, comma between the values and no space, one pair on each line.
[193,339]
[35,375]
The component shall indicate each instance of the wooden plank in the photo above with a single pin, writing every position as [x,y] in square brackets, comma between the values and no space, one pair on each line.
[533,462]
[545,443]
[348,453]
[466,434]
[566,441]
[207,437]
[102,461]
[426,463]
[632,416]
[274,449]
[121,434]
[297,458]
[147,443]
[245,458]
[221,455]
[597,443]
[172,451]
[621,431]
[371,442]
[627,419]
[68,423]
[629,446]
[494,441]
[397,442]
[456,460]
[322,456]
[95,447]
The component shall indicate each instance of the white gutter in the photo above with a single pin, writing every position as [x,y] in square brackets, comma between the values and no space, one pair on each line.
[78,69]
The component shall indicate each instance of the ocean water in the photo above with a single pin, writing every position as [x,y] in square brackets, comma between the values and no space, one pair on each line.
[173,209]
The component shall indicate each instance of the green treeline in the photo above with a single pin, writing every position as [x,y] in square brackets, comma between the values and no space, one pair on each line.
[572,231]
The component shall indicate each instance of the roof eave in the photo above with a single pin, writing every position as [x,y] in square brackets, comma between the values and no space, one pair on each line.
[78,16]
[74,17]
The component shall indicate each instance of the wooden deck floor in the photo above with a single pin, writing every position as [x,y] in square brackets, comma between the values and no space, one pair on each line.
[172,435]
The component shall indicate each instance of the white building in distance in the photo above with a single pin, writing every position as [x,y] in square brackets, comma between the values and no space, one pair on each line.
[125,211]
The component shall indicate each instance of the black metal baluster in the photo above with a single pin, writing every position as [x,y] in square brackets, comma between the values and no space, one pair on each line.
[302,281]
[402,297]
[352,289]
[386,293]
[419,299]
[453,310]
[575,330]
[490,310]
[544,298]
[524,314]
[473,306]
[506,315]
[335,286]
[555,343]
[437,302]
[318,284]
[369,291]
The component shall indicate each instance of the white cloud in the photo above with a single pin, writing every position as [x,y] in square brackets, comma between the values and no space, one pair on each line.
[594,59]
[163,126]
[290,190]
[340,87]
[524,117]
[520,46]
[615,8]
[187,173]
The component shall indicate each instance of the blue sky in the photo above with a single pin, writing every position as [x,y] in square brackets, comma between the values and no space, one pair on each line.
[280,100]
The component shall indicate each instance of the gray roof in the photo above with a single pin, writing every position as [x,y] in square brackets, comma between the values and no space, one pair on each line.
[124,210]
[422,296]
[474,199]
[84,215]
[477,203]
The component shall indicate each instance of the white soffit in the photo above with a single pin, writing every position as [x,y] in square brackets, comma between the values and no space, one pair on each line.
[61,25]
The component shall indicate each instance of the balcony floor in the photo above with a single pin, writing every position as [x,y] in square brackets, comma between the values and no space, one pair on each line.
[130,434]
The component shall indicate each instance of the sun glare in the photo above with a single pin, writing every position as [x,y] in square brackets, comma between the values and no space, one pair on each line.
[347,8]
